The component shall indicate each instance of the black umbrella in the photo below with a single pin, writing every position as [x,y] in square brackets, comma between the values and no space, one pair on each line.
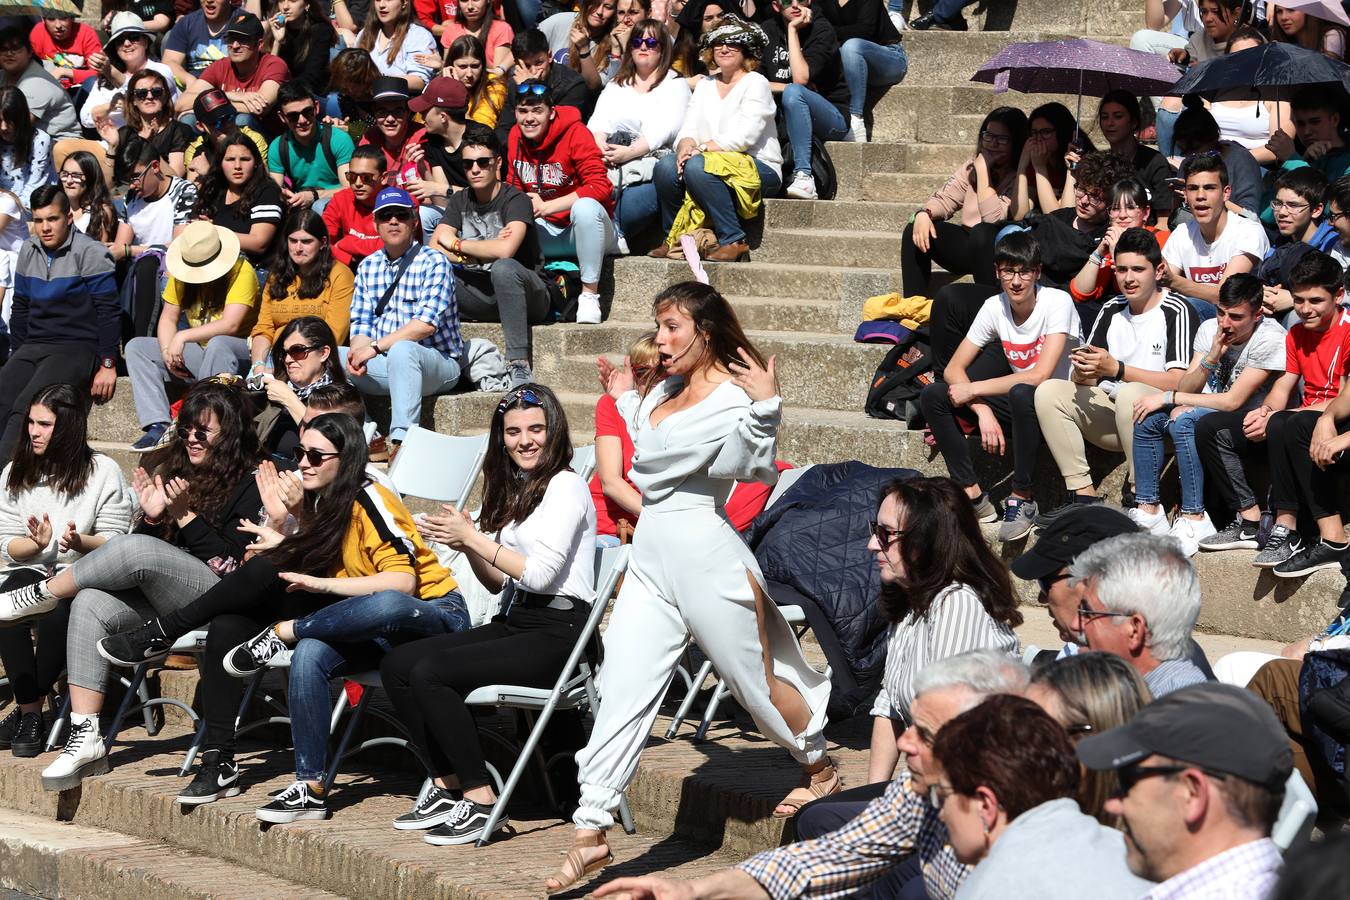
[1268,72]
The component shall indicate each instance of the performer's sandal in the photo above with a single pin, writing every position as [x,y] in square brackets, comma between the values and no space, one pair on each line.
[575,868]
[813,787]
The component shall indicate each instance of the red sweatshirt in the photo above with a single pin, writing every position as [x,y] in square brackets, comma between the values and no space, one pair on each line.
[434,12]
[566,161]
[75,54]
[351,229]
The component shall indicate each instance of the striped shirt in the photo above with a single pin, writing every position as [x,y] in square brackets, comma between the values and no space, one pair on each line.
[1249,871]
[954,623]
[426,292]
[1173,675]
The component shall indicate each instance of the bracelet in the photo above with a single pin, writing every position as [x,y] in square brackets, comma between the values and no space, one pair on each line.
[126,251]
[495,555]
[1097,259]
[146,520]
[1120,373]
[458,246]
[1169,398]
[1209,366]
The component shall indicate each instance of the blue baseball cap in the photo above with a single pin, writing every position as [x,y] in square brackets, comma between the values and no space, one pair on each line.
[393,197]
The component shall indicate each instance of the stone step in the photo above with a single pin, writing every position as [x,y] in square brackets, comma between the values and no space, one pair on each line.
[638,280]
[846,248]
[918,111]
[900,187]
[837,215]
[1104,17]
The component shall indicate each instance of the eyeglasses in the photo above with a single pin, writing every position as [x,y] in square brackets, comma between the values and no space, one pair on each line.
[1044,133]
[1334,215]
[478,162]
[537,90]
[154,93]
[1047,583]
[394,215]
[644,43]
[13,48]
[299,115]
[301,351]
[362,178]
[313,457]
[885,536]
[1278,205]
[200,435]
[1085,194]
[1086,615]
[520,395]
[996,140]
[1015,274]
[139,177]
[1078,730]
[75,177]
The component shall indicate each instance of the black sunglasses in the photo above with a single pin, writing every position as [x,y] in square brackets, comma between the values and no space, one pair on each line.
[885,536]
[520,395]
[301,351]
[478,162]
[1129,776]
[296,115]
[538,90]
[313,457]
[644,43]
[185,433]
[154,93]
[400,215]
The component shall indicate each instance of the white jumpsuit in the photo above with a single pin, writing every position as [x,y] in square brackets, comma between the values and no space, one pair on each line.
[688,576]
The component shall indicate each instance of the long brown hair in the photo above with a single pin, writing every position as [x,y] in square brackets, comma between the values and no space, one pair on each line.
[713,318]
[370,31]
[584,10]
[509,493]
[68,460]
[133,114]
[646,28]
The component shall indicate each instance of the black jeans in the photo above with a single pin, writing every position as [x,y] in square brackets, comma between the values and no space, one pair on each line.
[954,310]
[948,248]
[30,369]
[33,667]
[1016,412]
[1297,484]
[427,680]
[1225,452]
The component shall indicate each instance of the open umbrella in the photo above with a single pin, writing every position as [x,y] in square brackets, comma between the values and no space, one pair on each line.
[1326,10]
[38,7]
[1267,72]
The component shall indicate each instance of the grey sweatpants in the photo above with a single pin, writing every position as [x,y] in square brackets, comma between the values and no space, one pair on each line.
[223,354]
[121,584]
[509,293]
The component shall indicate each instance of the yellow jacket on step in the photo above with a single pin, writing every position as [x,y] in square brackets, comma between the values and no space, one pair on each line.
[739,172]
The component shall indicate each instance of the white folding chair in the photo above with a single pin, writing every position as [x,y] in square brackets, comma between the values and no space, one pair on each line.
[437,466]
[583,461]
[1297,812]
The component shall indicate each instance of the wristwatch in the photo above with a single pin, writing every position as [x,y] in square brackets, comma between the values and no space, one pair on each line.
[375,345]
[108,362]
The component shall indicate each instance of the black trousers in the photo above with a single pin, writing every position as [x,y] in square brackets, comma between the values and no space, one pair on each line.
[954,310]
[1296,482]
[33,652]
[1226,452]
[1016,412]
[427,680]
[948,248]
[30,369]
[145,297]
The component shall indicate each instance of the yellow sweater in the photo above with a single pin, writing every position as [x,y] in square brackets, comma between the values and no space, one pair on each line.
[382,537]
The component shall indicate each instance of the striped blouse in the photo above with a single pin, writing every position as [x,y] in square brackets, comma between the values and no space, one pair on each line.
[955,622]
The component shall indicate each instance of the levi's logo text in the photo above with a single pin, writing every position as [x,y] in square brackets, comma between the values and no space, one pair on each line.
[1206,274]
[1023,356]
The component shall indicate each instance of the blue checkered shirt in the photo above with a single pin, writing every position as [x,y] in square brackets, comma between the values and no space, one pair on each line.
[425,292]
[1249,871]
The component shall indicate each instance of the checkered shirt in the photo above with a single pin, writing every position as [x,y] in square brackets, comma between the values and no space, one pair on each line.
[425,292]
[1247,872]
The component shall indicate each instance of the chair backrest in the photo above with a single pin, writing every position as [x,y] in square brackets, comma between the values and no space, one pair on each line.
[438,466]
[583,461]
[610,564]
[369,429]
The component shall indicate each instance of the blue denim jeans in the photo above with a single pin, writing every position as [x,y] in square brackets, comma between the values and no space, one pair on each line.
[1203,308]
[866,63]
[587,238]
[351,636]
[406,374]
[948,11]
[1148,457]
[806,113]
[709,191]
[637,209]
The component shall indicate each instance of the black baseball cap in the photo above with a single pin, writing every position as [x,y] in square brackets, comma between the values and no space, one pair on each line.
[1068,535]
[246,24]
[1218,727]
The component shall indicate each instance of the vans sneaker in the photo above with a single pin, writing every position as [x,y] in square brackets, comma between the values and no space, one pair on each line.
[295,804]
[255,653]
[436,807]
[464,826]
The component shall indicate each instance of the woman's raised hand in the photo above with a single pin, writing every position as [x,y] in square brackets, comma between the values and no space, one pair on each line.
[148,493]
[758,382]
[40,530]
[264,538]
[615,380]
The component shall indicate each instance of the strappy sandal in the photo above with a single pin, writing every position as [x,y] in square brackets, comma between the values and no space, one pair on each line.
[815,786]
[575,868]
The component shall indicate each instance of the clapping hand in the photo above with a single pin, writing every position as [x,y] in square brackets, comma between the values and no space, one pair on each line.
[150,495]
[758,382]
[176,495]
[71,539]
[615,380]
[40,531]
[452,528]
[281,492]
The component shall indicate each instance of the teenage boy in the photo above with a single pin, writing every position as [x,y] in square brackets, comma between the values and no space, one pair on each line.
[197,40]
[214,119]
[1338,217]
[1036,326]
[1316,354]
[308,160]
[249,76]
[488,234]
[1139,344]
[1235,355]
[1317,122]
[444,107]
[552,156]
[349,214]
[159,207]
[1297,208]
[534,62]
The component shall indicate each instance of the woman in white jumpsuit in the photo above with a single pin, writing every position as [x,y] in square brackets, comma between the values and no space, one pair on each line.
[712,421]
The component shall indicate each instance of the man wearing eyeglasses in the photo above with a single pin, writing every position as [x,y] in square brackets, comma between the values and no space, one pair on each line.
[309,160]
[1297,214]
[1202,776]
[249,76]
[349,215]
[48,102]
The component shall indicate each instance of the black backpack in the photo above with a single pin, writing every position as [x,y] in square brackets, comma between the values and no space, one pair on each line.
[906,370]
[822,168]
[325,142]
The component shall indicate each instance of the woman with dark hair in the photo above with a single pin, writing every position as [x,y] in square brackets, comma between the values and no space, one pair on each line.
[149,118]
[1128,207]
[306,351]
[397,43]
[60,500]
[467,64]
[980,190]
[303,36]
[90,202]
[535,542]
[1119,120]
[25,150]
[476,18]
[238,194]
[187,538]
[943,590]
[1043,171]
[1005,785]
[709,419]
[1295,26]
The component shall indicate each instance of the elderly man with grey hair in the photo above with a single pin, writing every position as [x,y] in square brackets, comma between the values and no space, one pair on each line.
[897,847]
[1139,599]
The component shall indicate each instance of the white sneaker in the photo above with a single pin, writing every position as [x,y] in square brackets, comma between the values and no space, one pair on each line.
[1190,532]
[899,22]
[26,602]
[84,755]
[803,187]
[857,130]
[588,308]
[1153,523]
[622,243]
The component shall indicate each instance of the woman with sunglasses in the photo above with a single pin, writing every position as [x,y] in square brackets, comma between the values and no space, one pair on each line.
[534,541]
[238,194]
[185,540]
[150,118]
[25,149]
[306,351]
[467,64]
[60,500]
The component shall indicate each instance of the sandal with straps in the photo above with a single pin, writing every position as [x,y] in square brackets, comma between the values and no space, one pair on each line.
[813,787]
[575,868]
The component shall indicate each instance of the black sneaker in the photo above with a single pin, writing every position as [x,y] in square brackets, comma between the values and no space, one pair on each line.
[21,733]
[1239,535]
[1044,520]
[144,643]
[295,804]
[254,653]
[9,726]
[433,809]
[928,21]
[463,827]
[217,777]
[1281,545]
[1320,555]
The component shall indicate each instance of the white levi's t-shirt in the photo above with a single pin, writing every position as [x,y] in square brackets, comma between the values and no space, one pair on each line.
[1054,313]
[1204,263]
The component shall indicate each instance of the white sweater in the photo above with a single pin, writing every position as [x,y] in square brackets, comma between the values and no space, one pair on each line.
[105,507]
[655,115]
[557,540]
[741,121]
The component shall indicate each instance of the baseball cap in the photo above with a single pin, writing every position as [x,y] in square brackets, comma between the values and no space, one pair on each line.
[1214,726]
[210,106]
[246,25]
[393,198]
[447,92]
[386,86]
[125,24]
[1068,535]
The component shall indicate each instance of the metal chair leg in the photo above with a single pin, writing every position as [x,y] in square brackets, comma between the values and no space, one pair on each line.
[626,816]
[128,700]
[62,716]
[143,694]
[331,775]
[718,693]
[687,703]
[198,735]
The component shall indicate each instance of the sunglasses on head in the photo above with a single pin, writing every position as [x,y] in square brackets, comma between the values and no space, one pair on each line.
[301,351]
[185,433]
[520,395]
[478,162]
[535,90]
[644,43]
[313,457]
[154,93]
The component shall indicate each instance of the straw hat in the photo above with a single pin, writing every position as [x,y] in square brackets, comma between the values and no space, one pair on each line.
[202,253]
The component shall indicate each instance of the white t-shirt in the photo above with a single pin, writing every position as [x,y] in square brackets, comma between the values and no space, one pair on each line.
[557,540]
[1265,350]
[1157,340]
[1054,313]
[153,222]
[1204,263]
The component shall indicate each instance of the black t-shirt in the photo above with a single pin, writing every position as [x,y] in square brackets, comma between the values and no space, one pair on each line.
[174,138]
[820,46]
[438,154]
[1152,168]
[473,221]
[309,65]
[266,207]
[148,9]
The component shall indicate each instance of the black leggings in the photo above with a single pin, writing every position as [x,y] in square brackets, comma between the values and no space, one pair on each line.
[1016,412]
[948,248]
[427,680]
[1226,451]
[1296,483]
[33,669]
[954,310]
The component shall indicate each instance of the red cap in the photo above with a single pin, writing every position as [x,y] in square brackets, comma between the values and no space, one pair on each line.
[443,91]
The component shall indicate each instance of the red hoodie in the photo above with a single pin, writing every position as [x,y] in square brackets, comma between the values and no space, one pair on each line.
[566,161]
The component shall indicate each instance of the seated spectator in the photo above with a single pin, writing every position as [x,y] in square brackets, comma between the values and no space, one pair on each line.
[477,18]
[156,15]
[580,40]
[61,500]
[148,117]
[1036,327]
[731,112]
[1119,120]
[53,113]
[210,305]
[349,214]
[1338,217]
[535,538]
[1317,124]
[159,207]
[553,159]
[64,324]
[981,190]
[126,53]
[351,77]
[487,92]
[1252,123]
[801,61]
[1210,26]
[395,41]
[635,122]
[436,148]
[304,357]
[1127,207]
[870,54]
[69,49]
[309,160]
[1234,356]
[239,195]
[215,121]
[197,40]
[1316,350]
[533,62]
[249,76]
[1005,784]
[627,13]
[397,136]
[617,502]
[301,35]
[685,25]
[1197,134]
[14,230]
[1043,170]
[1294,26]
[405,341]
[945,15]
[90,202]
[1140,343]
[488,234]
[1297,207]
[1204,823]
[1216,244]
[25,149]
[1167,26]
[1139,599]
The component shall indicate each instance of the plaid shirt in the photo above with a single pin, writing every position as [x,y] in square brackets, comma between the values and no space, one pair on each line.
[425,292]
[1247,872]
[892,827]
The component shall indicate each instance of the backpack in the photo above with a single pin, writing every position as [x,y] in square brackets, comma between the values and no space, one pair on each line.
[822,168]
[563,281]
[906,370]
[325,142]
